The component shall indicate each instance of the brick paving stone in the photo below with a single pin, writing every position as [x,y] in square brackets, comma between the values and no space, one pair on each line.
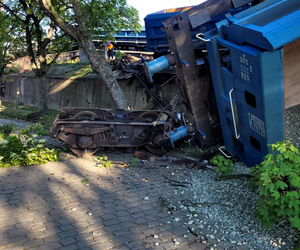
[67,233]
[169,245]
[15,241]
[8,222]
[69,247]
[52,238]
[85,243]
[122,233]
[66,228]
[136,245]
[50,246]
[113,228]
[108,210]
[67,241]
[102,246]
[199,246]
[127,224]
[140,220]
[109,216]
[138,215]
[111,222]
[179,230]
[121,248]
[19,247]
[121,213]
[133,204]
[134,210]
[39,220]
[65,222]
[150,212]
[35,235]
[52,231]
[17,232]
[33,243]
[126,218]
[38,227]
[120,208]
[52,218]
[80,217]
[122,240]
[103,238]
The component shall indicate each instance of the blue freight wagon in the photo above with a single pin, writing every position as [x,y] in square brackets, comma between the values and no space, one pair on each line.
[156,37]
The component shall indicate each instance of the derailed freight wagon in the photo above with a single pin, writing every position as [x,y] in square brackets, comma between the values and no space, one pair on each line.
[254,65]
[254,60]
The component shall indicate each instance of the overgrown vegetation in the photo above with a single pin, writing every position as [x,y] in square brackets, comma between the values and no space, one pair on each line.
[277,179]
[38,128]
[5,130]
[65,69]
[14,152]
[222,165]
[133,162]
[102,161]
[28,113]
[119,55]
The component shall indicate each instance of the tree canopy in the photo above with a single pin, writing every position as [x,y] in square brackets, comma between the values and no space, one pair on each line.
[83,20]
[39,34]
[46,24]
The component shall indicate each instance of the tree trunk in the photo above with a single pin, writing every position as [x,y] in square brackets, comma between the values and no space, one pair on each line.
[102,68]
[81,34]
[42,95]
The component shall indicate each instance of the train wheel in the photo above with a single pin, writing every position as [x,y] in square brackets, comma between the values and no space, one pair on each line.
[85,113]
[158,150]
[83,152]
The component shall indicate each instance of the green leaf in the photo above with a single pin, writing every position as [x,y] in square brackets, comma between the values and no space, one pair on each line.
[295,179]
[280,185]
[295,221]
[276,195]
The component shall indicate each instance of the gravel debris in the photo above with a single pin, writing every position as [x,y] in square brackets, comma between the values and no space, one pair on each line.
[292,116]
[225,211]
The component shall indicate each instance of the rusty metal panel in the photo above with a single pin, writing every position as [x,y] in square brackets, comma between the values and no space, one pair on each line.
[180,41]
[199,18]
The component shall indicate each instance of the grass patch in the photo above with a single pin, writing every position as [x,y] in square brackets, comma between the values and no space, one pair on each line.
[73,70]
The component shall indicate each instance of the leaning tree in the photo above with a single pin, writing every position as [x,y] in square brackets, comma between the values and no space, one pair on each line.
[84,20]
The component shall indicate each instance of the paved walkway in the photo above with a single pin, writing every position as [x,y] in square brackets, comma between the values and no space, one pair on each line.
[48,207]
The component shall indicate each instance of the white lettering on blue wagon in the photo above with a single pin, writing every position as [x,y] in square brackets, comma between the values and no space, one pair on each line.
[257,125]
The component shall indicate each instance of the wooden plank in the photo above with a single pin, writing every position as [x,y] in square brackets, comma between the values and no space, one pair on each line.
[291,74]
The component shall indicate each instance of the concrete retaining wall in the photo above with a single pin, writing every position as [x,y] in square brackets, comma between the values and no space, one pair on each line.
[80,92]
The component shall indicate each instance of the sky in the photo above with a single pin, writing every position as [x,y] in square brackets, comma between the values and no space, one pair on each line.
[146,7]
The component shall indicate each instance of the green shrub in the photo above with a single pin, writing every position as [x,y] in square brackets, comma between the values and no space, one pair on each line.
[223,165]
[38,128]
[24,131]
[102,161]
[31,152]
[277,179]
[133,162]
[118,55]
[5,130]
